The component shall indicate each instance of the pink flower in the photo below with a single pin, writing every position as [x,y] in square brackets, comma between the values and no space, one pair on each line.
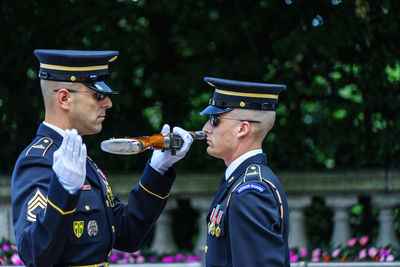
[136,253]
[179,257]
[122,261]
[193,258]
[168,259]
[362,254]
[352,242]
[6,247]
[131,260]
[372,252]
[3,260]
[336,252]
[293,257]
[114,257]
[390,258]
[152,259]
[363,240]
[385,252]
[315,259]
[139,259]
[16,260]
[316,253]
[303,252]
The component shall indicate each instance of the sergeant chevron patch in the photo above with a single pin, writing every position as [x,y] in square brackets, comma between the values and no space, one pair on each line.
[37,201]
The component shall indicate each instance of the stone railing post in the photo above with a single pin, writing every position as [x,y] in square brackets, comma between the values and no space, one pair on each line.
[386,204]
[6,229]
[201,204]
[341,223]
[163,241]
[297,234]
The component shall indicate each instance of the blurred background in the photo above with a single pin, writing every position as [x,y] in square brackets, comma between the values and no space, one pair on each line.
[339,59]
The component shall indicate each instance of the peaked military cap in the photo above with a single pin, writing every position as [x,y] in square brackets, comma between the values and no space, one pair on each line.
[230,94]
[87,67]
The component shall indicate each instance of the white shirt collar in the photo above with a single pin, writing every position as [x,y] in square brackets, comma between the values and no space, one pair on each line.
[55,128]
[234,164]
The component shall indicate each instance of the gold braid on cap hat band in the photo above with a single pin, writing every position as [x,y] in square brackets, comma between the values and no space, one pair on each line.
[224,92]
[67,68]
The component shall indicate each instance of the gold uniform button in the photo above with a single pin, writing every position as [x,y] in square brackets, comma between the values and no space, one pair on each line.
[206,249]
[87,207]
[113,229]
[253,167]
[73,78]
[242,104]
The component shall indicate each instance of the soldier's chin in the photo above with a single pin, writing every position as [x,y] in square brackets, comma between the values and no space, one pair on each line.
[95,130]
[211,152]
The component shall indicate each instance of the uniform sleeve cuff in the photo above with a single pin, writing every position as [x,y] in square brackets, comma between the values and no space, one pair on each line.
[155,183]
[59,198]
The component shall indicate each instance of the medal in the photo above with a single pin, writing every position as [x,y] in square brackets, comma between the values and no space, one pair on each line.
[213,218]
[212,230]
[217,231]
[218,220]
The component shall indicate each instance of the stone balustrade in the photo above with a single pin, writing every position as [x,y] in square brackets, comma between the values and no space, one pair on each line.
[341,191]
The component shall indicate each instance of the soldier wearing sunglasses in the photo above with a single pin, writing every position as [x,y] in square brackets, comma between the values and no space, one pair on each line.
[248,221]
[64,210]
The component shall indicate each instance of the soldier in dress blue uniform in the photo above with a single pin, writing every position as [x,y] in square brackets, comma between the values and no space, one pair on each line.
[64,211]
[248,220]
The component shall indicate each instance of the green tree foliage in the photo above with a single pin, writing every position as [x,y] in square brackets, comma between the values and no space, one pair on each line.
[339,60]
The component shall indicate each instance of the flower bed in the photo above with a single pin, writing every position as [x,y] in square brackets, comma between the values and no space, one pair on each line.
[357,249]
[9,256]
[120,257]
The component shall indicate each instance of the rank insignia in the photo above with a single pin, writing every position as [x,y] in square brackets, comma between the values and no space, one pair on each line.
[37,201]
[78,228]
[92,228]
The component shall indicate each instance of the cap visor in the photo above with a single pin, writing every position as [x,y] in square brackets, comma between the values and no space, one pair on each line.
[211,110]
[101,87]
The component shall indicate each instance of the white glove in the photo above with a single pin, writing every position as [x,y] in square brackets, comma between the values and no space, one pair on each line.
[162,161]
[69,162]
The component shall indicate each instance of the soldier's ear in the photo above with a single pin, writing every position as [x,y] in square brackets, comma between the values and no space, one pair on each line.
[63,99]
[244,129]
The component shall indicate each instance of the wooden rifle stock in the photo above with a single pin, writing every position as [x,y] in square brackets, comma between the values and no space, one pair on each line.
[128,146]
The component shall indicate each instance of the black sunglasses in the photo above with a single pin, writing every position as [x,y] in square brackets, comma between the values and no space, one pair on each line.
[214,120]
[100,96]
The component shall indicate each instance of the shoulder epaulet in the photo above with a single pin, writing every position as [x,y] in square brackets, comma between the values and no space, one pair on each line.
[40,147]
[253,173]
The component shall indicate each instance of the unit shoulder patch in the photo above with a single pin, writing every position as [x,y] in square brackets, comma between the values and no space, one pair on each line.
[250,186]
[40,147]
[35,204]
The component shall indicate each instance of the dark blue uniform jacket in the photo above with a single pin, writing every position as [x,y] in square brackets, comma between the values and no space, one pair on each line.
[53,227]
[248,222]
